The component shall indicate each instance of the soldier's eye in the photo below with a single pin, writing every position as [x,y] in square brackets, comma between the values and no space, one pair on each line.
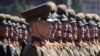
[58,29]
[68,31]
[64,31]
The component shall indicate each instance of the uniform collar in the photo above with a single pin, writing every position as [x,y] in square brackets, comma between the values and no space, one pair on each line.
[34,38]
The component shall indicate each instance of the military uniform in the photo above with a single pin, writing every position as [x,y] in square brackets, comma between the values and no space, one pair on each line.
[32,49]
[3,35]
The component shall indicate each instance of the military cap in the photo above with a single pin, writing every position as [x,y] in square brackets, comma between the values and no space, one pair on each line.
[14,20]
[22,20]
[18,19]
[64,18]
[40,12]
[88,17]
[22,23]
[50,20]
[2,17]
[71,13]
[3,20]
[62,9]
[71,16]
[98,24]
[55,17]
[72,20]
[95,17]
[9,19]
[85,22]
[99,18]
[62,12]
[27,23]
[80,16]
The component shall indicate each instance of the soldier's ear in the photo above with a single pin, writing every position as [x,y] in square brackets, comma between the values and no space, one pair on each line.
[34,24]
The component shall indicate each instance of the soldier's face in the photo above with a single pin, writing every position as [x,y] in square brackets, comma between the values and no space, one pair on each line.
[64,29]
[58,30]
[51,30]
[2,31]
[25,33]
[6,30]
[43,29]
[80,32]
[20,33]
[11,31]
[74,26]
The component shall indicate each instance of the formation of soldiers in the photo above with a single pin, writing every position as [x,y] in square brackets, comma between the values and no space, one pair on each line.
[55,31]
[14,35]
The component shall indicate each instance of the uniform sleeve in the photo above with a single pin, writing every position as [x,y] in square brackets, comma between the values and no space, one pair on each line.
[2,53]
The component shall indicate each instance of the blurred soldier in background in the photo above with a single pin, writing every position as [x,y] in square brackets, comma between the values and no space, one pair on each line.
[2,35]
[73,23]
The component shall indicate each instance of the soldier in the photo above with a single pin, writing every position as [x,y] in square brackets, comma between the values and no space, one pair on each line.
[11,47]
[52,29]
[9,20]
[39,27]
[2,35]
[72,21]
[99,37]
[80,25]
[2,51]
[95,33]
[86,36]
[23,34]
[28,31]
[16,36]
[98,24]
[89,19]
[62,28]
